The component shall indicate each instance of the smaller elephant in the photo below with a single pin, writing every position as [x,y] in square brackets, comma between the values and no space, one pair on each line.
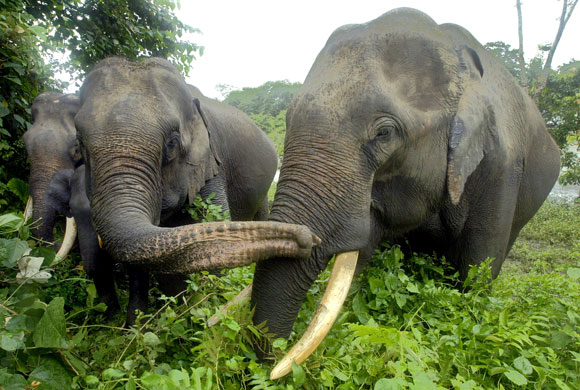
[66,194]
[150,143]
[50,145]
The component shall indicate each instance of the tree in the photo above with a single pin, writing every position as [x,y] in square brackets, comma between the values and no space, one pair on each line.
[567,9]
[559,103]
[267,105]
[507,55]
[35,34]
[269,98]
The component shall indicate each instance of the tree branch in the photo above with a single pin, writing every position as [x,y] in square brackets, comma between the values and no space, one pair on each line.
[523,73]
[564,17]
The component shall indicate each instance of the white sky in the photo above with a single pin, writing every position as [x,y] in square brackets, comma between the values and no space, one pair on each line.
[249,42]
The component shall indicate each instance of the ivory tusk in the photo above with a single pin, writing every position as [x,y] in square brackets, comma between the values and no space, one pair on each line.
[100,241]
[334,296]
[70,235]
[245,293]
[28,209]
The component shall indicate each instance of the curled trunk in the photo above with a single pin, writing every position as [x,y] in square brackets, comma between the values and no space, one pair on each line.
[125,215]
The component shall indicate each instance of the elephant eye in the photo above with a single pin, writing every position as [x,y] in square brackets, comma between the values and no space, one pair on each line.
[172,147]
[385,127]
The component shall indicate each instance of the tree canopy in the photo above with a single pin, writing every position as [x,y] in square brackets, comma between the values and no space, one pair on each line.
[266,105]
[40,38]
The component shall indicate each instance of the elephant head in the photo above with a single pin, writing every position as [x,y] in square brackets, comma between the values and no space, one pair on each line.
[147,150]
[402,126]
[50,144]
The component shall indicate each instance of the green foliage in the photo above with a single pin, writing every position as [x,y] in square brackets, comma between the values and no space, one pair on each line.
[274,126]
[23,75]
[267,105]
[510,58]
[204,210]
[270,98]
[560,107]
[404,326]
[92,30]
[36,35]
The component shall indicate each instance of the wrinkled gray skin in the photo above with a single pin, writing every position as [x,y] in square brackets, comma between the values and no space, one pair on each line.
[404,128]
[50,144]
[66,194]
[150,143]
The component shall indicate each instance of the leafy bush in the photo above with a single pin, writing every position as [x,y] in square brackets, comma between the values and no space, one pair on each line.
[404,326]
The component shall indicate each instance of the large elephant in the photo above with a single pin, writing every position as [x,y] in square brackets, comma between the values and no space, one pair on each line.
[150,143]
[403,128]
[50,144]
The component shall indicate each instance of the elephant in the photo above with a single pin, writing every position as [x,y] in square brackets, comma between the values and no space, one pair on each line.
[403,130]
[150,143]
[50,144]
[67,195]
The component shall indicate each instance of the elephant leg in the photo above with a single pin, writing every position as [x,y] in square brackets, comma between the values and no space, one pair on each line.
[263,210]
[138,294]
[171,284]
[105,284]
[487,230]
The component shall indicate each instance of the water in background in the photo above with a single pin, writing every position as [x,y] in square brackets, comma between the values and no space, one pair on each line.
[564,193]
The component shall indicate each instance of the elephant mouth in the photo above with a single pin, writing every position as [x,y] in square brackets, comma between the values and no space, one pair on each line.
[336,291]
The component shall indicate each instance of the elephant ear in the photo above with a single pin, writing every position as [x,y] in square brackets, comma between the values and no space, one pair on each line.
[202,159]
[58,192]
[473,124]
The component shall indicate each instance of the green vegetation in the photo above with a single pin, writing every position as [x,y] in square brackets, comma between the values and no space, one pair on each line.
[558,101]
[35,36]
[404,325]
[267,105]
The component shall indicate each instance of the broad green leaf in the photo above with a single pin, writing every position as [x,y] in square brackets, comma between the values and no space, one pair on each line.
[298,375]
[422,381]
[523,365]
[10,381]
[10,223]
[469,385]
[47,253]
[412,287]
[562,385]
[10,342]
[14,249]
[52,374]
[91,381]
[112,373]
[516,377]
[19,188]
[150,339]
[388,384]
[573,273]
[560,339]
[51,330]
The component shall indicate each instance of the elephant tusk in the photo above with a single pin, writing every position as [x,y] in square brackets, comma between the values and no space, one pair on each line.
[334,296]
[100,241]
[70,235]
[216,318]
[28,209]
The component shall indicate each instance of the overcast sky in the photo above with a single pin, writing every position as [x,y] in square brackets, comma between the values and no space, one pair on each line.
[250,42]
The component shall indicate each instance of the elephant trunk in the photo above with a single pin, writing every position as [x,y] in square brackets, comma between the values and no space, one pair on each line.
[126,204]
[43,215]
[335,206]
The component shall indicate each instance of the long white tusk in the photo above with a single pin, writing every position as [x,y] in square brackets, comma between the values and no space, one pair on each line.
[334,296]
[245,293]
[28,209]
[70,235]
